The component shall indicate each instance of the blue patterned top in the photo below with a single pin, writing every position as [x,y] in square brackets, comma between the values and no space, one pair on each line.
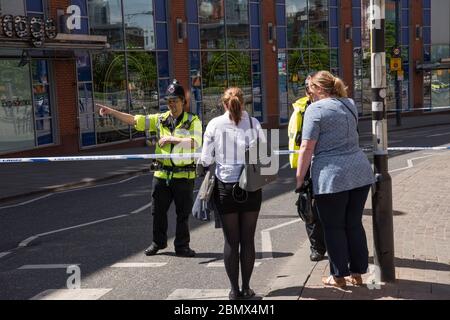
[338,163]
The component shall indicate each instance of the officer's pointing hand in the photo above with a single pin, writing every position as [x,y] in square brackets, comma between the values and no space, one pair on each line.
[104,110]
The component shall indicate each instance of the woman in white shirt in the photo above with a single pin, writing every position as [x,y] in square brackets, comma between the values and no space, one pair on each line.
[225,140]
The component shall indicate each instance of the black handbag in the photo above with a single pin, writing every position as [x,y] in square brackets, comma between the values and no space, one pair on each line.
[305,202]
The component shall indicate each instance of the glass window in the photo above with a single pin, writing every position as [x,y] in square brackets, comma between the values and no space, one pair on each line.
[81,4]
[254,14]
[193,39]
[110,89]
[256,37]
[163,64]
[34,5]
[280,16]
[84,68]
[105,19]
[215,80]
[160,10]
[281,37]
[139,24]
[212,24]
[16,110]
[237,24]
[161,31]
[297,23]
[192,11]
[143,82]
[85,104]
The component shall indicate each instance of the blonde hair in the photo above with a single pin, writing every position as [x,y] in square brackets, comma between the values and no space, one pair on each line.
[332,85]
[233,98]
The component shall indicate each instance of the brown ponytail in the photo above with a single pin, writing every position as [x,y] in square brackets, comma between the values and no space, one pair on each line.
[332,85]
[233,98]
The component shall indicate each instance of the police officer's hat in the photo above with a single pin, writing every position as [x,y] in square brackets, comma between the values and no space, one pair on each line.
[175,90]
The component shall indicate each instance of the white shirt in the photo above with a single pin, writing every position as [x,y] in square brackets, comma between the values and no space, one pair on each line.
[226,143]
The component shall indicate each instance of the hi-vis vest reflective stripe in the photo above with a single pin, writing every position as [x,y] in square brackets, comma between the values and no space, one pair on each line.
[295,128]
[190,126]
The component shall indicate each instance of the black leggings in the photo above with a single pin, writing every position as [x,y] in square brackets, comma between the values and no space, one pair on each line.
[341,216]
[239,231]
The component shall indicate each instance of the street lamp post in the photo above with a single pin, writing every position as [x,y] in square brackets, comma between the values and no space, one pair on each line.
[383,231]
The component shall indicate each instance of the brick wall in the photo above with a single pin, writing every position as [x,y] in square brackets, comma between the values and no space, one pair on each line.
[180,52]
[270,71]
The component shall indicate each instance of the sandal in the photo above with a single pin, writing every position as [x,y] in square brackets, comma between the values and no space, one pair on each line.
[355,279]
[334,282]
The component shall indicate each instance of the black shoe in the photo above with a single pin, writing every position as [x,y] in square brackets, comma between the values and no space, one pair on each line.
[153,249]
[234,295]
[247,293]
[316,256]
[185,252]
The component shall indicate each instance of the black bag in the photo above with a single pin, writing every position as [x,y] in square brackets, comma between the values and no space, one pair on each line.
[305,202]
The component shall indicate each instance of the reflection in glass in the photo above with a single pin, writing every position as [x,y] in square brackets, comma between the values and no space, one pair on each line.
[41,89]
[105,18]
[298,61]
[16,110]
[110,89]
[211,14]
[44,131]
[139,24]
[214,83]
[142,84]
[297,23]
[237,24]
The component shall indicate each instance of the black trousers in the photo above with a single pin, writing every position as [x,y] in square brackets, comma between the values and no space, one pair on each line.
[315,233]
[345,238]
[182,192]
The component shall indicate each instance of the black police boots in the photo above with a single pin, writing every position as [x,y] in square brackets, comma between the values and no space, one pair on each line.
[153,249]
[185,252]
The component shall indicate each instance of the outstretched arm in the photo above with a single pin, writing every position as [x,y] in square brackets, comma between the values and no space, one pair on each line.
[124,117]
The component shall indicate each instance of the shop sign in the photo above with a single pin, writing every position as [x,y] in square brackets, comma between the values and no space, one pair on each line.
[34,29]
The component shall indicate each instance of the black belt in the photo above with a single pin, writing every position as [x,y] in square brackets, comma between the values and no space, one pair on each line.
[189,168]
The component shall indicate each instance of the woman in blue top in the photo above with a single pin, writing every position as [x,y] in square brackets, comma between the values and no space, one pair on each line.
[341,176]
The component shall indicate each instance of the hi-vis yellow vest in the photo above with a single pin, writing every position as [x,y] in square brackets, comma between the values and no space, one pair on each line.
[190,126]
[295,128]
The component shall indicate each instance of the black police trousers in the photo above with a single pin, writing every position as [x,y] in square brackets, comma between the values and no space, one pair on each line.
[315,233]
[182,192]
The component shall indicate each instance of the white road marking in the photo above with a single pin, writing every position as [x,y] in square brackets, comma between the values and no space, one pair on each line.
[199,294]
[27,241]
[439,134]
[148,205]
[4,254]
[139,265]
[46,266]
[222,265]
[26,202]
[71,294]
[266,240]
[410,163]
[285,166]
[66,191]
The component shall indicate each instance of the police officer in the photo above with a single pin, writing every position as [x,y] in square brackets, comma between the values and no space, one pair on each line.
[176,131]
[314,229]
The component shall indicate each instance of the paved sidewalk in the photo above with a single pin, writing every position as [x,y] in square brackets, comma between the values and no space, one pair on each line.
[421,204]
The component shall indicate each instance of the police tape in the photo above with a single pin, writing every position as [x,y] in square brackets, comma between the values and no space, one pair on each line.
[175,156]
